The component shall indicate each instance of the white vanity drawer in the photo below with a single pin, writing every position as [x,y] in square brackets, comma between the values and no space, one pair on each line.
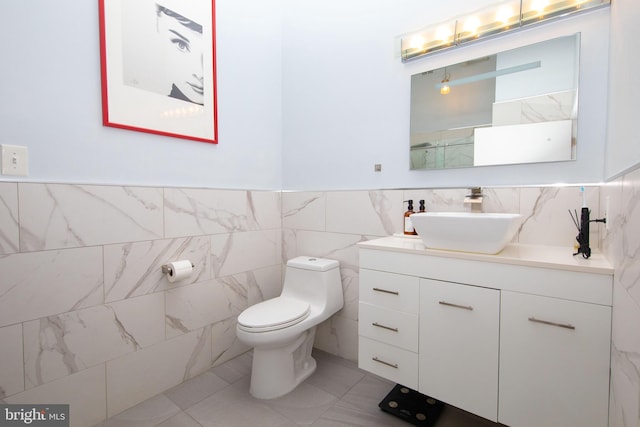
[392,363]
[389,290]
[388,326]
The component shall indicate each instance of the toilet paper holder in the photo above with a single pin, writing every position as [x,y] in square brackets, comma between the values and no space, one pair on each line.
[166,268]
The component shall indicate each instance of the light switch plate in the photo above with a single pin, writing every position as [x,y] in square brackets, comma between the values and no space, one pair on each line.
[15,160]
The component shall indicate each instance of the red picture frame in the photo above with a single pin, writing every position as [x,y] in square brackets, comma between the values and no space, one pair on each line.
[158,67]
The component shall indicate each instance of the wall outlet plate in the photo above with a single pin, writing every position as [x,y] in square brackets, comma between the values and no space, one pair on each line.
[15,160]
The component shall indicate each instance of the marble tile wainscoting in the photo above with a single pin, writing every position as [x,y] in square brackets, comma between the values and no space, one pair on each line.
[621,244]
[87,318]
[86,315]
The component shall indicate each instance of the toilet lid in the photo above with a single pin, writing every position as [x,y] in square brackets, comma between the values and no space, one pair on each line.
[276,313]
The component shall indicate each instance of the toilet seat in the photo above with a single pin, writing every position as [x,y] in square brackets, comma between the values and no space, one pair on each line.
[276,313]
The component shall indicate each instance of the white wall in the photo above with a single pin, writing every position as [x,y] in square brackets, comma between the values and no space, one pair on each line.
[310,96]
[50,101]
[623,147]
[346,96]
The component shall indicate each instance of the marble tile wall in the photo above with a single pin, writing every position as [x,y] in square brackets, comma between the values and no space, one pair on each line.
[622,247]
[88,318]
[86,315]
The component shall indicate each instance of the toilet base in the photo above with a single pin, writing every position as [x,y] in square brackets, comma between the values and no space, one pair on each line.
[277,371]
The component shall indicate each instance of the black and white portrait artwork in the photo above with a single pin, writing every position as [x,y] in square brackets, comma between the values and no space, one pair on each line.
[161,49]
[168,57]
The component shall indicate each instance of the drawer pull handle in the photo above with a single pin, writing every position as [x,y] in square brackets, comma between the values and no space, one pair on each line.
[393,365]
[448,304]
[546,322]
[376,324]
[386,291]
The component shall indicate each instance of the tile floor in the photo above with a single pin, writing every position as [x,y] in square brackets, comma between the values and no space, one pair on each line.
[337,394]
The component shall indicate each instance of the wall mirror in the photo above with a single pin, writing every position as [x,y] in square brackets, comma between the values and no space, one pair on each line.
[517,106]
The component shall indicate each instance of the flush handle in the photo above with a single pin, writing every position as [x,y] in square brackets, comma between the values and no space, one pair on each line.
[389,328]
[449,304]
[547,322]
[393,365]
[386,291]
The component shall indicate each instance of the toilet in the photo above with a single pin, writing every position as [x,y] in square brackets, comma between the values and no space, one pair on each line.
[281,330]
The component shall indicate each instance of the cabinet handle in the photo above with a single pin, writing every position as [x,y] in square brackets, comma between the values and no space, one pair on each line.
[385,327]
[386,291]
[448,304]
[546,322]
[393,365]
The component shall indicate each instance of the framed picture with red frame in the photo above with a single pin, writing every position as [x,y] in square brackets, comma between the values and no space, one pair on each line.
[158,64]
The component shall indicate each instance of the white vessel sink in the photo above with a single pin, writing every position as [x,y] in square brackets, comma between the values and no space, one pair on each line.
[486,233]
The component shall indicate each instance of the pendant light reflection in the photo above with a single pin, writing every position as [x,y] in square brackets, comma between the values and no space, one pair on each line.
[444,87]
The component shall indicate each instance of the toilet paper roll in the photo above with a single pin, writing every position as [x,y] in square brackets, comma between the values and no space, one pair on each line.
[179,270]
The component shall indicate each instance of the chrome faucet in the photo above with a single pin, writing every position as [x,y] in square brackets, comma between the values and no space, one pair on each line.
[475,197]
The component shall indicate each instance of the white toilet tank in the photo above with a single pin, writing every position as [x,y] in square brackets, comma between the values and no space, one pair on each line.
[315,280]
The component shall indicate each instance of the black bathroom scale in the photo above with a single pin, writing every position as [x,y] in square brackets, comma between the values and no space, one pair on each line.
[412,406]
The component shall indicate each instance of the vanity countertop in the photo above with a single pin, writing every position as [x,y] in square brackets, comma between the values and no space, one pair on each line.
[555,257]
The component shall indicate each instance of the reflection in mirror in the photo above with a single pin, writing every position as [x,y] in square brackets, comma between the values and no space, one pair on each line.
[517,106]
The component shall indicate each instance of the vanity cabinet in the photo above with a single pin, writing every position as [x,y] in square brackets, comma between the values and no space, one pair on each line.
[513,338]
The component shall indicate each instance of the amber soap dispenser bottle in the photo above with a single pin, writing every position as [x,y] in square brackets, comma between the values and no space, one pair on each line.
[408,225]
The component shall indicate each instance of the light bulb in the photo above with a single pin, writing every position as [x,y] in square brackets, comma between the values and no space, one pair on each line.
[471,25]
[443,34]
[504,14]
[539,5]
[416,42]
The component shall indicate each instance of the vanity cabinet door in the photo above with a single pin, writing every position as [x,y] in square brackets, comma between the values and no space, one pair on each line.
[459,331]
[554,362]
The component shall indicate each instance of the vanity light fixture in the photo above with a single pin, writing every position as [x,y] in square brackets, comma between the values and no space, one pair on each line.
[498,18]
